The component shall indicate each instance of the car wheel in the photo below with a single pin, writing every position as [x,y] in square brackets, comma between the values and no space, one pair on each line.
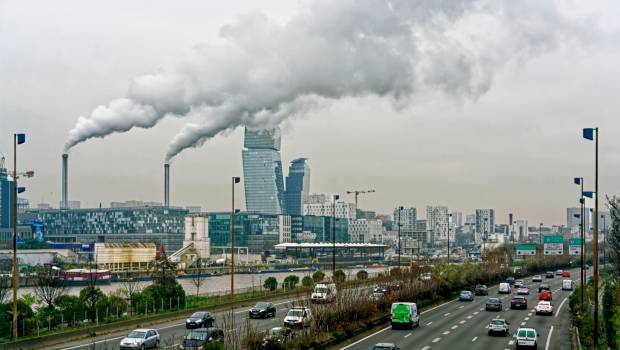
[489,333]
[143,347]
[157,344]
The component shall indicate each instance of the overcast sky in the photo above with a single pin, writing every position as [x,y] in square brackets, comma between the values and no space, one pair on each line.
[514,146]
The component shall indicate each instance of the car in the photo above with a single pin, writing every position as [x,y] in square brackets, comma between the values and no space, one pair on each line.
[565,273]
[466,296]
[558,272]
[404,314]
[199,338]
[200,319]
[504,288]
[498,325]
[549,274]
[523,290]
[262,309]
[380,288]
[493,304]
[567,285]
[510,280]
[587,266]
[481,289]
[545,294]
[518,283]
[277,335]
[298,317]
[518,302]
[526,338]
[426,276]
[537,278]
[376,296]
[324,293]
[385,346]
[544,307]
[140,339]
[543,286]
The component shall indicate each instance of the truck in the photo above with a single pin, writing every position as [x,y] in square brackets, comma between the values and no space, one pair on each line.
[324,293]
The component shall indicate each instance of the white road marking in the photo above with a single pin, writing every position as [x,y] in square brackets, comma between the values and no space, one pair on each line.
[462,321]
[473,340]
[526,319]
[481,309]
[454,327]
[559,308]
[469,317]
[460,307]
[446,314]
[477,312]
[428,324]
[549,338]
[446,333]
[426,347]
[512,342]
[436,340]
[407,336]
[529,314]
[523,323]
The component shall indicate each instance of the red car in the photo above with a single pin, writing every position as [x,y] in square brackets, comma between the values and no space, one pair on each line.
[565,273]
[545,294]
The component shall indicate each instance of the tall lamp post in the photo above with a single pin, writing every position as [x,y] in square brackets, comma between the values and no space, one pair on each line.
[235,180]
[335,198]
[540,237]
[400,209]
[484,235]
[579,181]
[18,139]
[604,240]
[449,224]
[588,133]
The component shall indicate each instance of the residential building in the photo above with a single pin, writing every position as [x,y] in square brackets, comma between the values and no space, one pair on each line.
[132,204]
[23,204]
[437,223]
[262,172]
[485,222]
[197,233]
[343,210]
[6,199]
[193,209]
[457,218]
[408,217]
[573,218]
[365,231]
[470,219]
[297,186]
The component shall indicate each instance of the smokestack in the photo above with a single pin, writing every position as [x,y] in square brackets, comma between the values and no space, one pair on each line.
[166,185]
[65,181]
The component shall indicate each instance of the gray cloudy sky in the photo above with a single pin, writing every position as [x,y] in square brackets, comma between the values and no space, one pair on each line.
[493,121]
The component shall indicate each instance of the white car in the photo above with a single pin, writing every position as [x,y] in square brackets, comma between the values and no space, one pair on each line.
[504,288]
[523,290]
[537,278]
[527,338]
[324,293]
[140,339]
[544,307]
[298,317]
[567,285]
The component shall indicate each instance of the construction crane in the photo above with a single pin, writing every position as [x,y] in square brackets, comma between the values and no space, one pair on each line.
[357,193]
[29,173]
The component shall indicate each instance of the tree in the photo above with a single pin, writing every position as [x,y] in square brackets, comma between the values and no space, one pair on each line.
[130,288]
[362,275]
[271,283]
[307,281]
[49,288]
[93,298]
[5,288]
[117,304]
[613,239]
[198,279]
[71,308]
[291,281]
[318,276]
[339,276]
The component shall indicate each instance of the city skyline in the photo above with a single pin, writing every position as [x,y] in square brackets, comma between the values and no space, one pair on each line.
[425,155]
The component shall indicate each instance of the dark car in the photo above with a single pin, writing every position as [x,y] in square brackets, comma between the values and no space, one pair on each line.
[197,339]
[510,280]
[262,310]
[200,319]
[549,274]
[380,288]
[494,304]
[466,296]
[518,302]
[385,346]
[481,289]
[276,336]
[542,287]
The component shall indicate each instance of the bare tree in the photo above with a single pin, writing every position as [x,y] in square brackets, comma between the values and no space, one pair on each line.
[130,288]
[198,279]
[49,288]
[5,288]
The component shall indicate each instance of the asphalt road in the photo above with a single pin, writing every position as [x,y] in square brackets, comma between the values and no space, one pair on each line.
[462,325]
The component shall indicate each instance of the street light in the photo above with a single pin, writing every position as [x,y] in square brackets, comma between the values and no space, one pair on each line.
[540,240]
[449,224]
[579,181]
[604,240]
[335,198]
[484,235]
[588,134]
[399,224]
[235,180]
[18,139]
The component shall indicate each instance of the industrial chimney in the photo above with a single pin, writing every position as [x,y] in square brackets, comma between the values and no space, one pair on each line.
[166,185]
[65,190]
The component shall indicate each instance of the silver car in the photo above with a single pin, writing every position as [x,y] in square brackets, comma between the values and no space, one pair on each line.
[140,339]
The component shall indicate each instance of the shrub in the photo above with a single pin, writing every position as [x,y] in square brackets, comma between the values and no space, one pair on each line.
[339,276]
[271,283]
[291,281]
[318,276]
[362,275]
[307,281]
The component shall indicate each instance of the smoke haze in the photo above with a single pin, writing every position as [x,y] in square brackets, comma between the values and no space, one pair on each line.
[262,72]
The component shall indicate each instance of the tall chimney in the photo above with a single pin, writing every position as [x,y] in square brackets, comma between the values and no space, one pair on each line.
[166,185]
[65,182]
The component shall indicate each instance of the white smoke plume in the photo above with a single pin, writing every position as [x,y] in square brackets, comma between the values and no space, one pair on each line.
[265,72]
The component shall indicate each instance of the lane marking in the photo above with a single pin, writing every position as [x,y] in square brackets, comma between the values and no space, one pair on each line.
[408,335]
[426,347]
[428,324]
[523,323]
[526,319]
[454,327]
[473,340]
[462,306]
[549,338]
[560,308]
[477,312]
[446,333]
[512,342]
[481,309]
[469,317]
[438,339]
[446,314]
[372,335]
[462,321]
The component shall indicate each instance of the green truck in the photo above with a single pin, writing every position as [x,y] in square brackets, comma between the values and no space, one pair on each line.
[405,315]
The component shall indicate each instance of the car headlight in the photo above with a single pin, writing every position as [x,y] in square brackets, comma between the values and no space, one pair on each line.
[188,320]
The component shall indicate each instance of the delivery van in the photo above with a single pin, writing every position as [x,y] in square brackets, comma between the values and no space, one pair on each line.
[324,293]
[405,315]
[504,288]
[567,285]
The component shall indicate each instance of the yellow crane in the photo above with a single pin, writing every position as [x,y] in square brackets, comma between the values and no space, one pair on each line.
[357,193]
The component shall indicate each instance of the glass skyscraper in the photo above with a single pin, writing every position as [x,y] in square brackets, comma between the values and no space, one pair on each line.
[297,186]
[6,200]
[262,172]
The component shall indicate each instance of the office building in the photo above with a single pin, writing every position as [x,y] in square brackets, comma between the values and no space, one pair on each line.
[197,233]
[6,199]
[470,219]
[485,222]
[132,204]
[322,227]
[343,210]
[113,225]
[257,232]
[408,217]
[44,206]
[573,218]
[297,186]
[262,172]
[437,223]
[457,218]
[521,230]
[71,204]
[365,231]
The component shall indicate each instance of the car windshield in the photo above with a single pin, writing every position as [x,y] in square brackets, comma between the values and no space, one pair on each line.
[522,333]
[137,334]
[544,303]
[382,348]
[531,334]
[497,322]
[275,332]
[261,305]
[197,314]
[320,290]
[196,336]
[493,301]
[464,292]
[295,313]
[518,298]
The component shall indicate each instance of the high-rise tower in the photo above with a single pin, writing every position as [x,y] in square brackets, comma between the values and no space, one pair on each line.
[262,172]
[297,186]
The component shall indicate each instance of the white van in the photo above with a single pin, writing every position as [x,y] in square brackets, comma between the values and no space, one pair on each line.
[567,285]
[504,288]
[324,293]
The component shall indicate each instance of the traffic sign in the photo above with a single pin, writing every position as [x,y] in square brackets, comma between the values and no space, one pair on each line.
[526,249]
[574,246]
[553,245]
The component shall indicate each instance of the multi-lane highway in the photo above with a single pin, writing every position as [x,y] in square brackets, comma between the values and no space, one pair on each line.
[460,325]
